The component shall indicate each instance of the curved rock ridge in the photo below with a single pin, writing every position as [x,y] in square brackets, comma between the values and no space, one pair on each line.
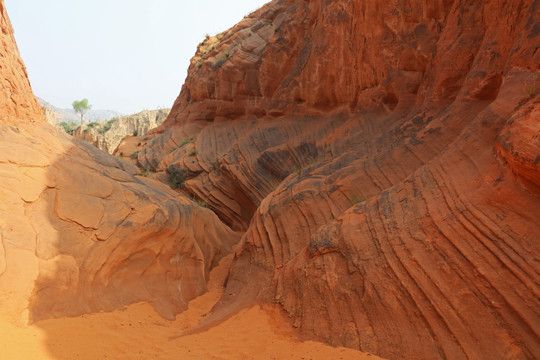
[82,232]
[17,103]
[278,60]
[383,158]
[107,135]
[50,117]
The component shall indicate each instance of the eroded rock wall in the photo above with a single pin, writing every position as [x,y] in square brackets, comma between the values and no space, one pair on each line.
[108,135]
[383,158]
[17,103]
[80,230]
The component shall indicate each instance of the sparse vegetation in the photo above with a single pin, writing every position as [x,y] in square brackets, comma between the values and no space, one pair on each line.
[108,125]
[300,169]
[134,155]
[68,127]
[215,165]
[199,202]
[197,61]
[193,152]
[91,125]
[176,178]
[357,199]
[135,132]
[186,140]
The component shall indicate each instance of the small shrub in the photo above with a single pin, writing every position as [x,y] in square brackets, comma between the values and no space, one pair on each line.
[186,141]
[108,125]
[135,132]
[121,153]
[207,36]
[91,125]
[134,155]
[199,202]
[68,127]
[215,165]
[176,178]
[202,203]
[193,152]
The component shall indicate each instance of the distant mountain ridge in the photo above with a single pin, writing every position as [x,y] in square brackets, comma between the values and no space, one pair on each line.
[69,115]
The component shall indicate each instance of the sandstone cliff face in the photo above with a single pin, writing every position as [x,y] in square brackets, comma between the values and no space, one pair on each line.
[383,158]
[50,117]
[81,231]
[109,139]
[16,99]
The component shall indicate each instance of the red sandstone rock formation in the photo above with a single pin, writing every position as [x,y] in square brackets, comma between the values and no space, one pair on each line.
[82,231]
[383,158]
[17,103]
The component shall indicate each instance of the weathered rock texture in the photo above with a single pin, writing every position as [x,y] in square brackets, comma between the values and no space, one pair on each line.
[383,158]
[80,231]
[16,99]
[50,117]
[108,139]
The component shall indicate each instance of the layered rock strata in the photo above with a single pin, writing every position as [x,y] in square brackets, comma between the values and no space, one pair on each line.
[80,230]
[383,159]
[17,103]
[108,135]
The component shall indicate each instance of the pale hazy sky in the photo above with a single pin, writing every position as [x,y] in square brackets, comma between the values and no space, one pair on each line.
[123,55]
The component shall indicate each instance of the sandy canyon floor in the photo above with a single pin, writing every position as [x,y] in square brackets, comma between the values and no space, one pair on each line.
[138,332]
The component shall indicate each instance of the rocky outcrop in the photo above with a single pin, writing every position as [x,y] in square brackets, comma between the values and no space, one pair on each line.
[108,135]
[383,159]
[80,230]
[50,117]
[16,100]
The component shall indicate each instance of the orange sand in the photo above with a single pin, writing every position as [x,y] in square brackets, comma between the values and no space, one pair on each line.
[138,332]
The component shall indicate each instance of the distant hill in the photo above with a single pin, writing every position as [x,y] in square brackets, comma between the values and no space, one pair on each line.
[69,115]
